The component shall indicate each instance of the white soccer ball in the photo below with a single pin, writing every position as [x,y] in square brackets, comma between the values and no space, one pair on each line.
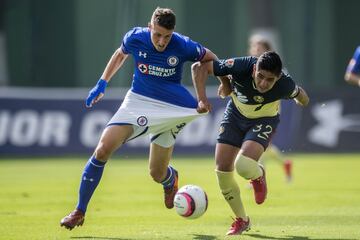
[191,201]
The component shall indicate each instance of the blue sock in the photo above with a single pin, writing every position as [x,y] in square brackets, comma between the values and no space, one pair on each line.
[90,179]
[169,180]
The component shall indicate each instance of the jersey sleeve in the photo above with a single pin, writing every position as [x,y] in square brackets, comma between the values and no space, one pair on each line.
[194,51]
[233,66]
[289,87]
[354,65]
[127,45]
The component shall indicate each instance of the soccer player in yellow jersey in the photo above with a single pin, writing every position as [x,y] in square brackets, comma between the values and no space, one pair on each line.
[250,119]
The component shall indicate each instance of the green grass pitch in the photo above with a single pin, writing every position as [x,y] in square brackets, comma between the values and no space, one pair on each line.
[322,203]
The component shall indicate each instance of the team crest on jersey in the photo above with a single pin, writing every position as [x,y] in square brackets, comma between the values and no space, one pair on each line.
[142,121]
[143,68]
[172,61]
[258,99]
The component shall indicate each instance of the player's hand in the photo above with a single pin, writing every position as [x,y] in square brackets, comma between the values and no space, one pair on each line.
[224,90]
[203,106]
[96,93]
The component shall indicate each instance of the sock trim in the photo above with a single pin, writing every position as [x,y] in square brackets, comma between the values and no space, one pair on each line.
[167,179]
[96,165]
[96,162]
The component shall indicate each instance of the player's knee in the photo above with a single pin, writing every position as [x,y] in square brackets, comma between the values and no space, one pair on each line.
[102,153]
[242,167]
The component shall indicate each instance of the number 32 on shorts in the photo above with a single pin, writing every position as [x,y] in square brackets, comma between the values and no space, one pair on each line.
[264,132]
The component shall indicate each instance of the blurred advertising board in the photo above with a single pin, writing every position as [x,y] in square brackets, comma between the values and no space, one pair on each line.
[56,122]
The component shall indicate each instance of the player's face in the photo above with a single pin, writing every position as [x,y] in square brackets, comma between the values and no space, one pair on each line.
[264,80]
[160,36]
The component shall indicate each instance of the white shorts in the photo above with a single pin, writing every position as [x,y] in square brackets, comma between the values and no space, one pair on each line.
[148,116]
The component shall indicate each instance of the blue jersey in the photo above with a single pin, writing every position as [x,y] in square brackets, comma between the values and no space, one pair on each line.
[158,74]
[354,65]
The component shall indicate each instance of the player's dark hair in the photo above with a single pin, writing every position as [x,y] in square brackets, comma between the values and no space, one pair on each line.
[164,17]
[271,62]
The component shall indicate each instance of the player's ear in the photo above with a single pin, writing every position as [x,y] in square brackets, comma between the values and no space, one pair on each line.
[254,70]
[149,25]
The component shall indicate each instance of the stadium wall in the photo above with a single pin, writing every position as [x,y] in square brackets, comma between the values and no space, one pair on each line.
[67,43]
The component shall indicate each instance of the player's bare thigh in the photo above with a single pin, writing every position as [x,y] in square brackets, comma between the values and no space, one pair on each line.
[225,155]
[159,159]
[252,149]
[111,139]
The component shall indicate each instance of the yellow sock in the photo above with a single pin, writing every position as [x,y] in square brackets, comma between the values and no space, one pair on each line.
[274,153]
[231,192]
[247,168]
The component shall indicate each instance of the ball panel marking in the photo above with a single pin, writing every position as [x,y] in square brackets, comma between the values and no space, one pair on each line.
[191,201]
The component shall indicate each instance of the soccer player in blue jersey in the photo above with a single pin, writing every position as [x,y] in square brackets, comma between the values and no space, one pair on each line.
[352,74]
[156,105]
[250,119]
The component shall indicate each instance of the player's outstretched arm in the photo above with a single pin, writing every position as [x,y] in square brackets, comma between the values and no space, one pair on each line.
[225,87]
[302,98]
[200,72]
[209,56]
[114,64]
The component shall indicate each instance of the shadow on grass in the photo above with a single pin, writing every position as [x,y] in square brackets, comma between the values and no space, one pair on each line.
[203,237]
[259,236]
[196,237]
[105,238]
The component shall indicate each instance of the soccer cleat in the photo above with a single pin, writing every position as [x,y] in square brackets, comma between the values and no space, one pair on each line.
[169,193]
[75,218]
[239,226]
[260,188]
[288,170]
